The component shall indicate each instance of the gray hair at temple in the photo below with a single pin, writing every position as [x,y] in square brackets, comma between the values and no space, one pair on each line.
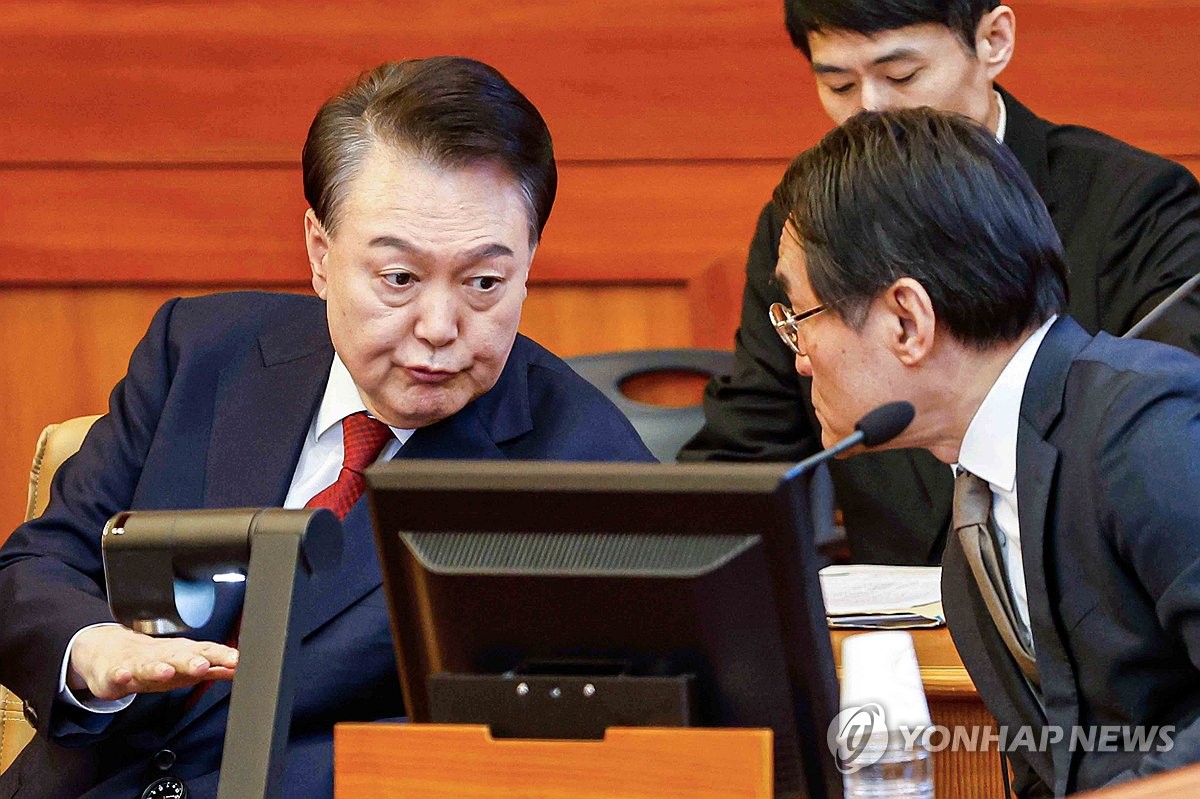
[453,112]
[933,196]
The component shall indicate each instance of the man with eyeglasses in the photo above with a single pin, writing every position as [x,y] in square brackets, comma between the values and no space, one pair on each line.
[1129,222]
[931,272]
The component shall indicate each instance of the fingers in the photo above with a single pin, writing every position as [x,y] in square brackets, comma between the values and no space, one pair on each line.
[114,662]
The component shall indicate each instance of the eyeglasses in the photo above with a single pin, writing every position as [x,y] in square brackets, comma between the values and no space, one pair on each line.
[787,323]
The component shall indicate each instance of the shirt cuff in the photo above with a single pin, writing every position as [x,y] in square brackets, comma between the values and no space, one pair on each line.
[90,703]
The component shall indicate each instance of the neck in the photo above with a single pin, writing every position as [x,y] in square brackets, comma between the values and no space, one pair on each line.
[992,120]
[947,415]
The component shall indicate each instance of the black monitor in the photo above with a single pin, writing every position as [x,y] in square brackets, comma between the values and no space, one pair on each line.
[553,599]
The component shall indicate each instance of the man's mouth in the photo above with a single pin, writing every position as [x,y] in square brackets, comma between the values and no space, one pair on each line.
[425,374]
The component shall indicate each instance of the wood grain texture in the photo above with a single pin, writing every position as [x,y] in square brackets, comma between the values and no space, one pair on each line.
[443,761]
[126,81]
[612,223]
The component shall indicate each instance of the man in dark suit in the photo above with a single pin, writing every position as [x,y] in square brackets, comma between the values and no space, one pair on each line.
[1129,222]
[920,265]
[429,183]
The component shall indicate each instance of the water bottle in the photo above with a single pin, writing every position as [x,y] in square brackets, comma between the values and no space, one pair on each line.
[893,769]
[878,736]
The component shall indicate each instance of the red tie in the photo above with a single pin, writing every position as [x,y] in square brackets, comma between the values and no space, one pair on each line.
[363,438]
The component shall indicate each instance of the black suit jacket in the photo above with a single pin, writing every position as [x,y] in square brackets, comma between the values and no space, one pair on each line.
[1130,226]
[213,413]
[1108,483]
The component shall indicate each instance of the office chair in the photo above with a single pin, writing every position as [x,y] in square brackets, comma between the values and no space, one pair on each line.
[664,430]
[56,443]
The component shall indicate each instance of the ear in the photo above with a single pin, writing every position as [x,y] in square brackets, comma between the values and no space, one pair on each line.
[914,324]
[995,39]
[317,242]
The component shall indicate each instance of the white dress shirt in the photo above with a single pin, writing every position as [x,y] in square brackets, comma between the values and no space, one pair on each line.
[318,467]
[989,451]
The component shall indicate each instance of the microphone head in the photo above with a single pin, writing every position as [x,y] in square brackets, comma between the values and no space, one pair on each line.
[885,422]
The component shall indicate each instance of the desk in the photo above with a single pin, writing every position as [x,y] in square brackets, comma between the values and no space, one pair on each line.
[953,701]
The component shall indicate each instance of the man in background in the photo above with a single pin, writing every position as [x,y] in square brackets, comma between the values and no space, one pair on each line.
[921,265]
[429,184]
[1129,222]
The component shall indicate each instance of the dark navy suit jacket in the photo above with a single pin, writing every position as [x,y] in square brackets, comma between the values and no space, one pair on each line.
[1108,483]
[213,412]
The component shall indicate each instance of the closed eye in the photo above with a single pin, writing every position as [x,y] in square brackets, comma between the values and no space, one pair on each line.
[900,81]
[843,89]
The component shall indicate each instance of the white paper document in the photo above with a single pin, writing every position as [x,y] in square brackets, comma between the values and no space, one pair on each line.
[882,596]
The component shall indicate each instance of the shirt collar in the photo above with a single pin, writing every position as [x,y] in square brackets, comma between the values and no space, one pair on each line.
[342,399]
[989,449]
[1002,119]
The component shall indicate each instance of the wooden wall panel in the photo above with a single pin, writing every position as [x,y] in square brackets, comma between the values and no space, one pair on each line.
[65,349]
[633,223]
[127,81]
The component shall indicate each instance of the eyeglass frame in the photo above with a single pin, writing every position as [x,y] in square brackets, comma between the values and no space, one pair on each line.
[790,321]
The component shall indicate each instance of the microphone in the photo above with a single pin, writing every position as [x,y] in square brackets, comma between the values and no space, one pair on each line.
[877,427]
[1164,306]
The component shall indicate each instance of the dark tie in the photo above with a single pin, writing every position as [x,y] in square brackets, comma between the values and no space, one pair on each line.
[976,531]
[363,439]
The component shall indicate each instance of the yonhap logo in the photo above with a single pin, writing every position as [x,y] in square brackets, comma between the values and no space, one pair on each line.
[851,734]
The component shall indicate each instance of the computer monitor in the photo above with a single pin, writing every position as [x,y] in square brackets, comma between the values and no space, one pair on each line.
[695,583]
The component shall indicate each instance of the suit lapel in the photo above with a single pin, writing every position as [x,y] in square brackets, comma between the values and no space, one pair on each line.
[1037,468]
[262,414]
[1025,135]
[996,675]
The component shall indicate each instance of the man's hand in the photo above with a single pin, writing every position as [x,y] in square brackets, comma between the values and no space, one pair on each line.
[113,662]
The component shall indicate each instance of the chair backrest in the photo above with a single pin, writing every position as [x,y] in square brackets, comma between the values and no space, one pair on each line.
[665,430]
[56,443]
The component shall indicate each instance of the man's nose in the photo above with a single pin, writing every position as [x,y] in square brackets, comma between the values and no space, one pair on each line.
[437,318]
[875,96]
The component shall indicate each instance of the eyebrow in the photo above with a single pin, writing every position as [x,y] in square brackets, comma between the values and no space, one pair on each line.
[480,253]
[899,54]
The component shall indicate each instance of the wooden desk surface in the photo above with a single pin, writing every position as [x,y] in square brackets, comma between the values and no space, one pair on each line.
[942,670]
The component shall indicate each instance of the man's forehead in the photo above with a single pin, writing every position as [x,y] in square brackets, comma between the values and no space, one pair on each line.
[839,50]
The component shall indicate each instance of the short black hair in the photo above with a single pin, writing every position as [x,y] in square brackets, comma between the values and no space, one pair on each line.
[451,111]
[933,196]
[869,17]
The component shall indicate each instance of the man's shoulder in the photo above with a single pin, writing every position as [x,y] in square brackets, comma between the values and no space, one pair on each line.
[548,372]
[1075,152]
[250,308]
[1122,380]
[241,315]
[581,421]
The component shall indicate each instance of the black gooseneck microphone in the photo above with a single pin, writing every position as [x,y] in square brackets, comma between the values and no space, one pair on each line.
[877,427]
[1156,313]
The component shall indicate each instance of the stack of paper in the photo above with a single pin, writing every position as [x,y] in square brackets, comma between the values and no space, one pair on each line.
[882,597]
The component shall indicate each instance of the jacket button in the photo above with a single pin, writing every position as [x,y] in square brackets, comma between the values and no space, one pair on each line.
[164,759]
